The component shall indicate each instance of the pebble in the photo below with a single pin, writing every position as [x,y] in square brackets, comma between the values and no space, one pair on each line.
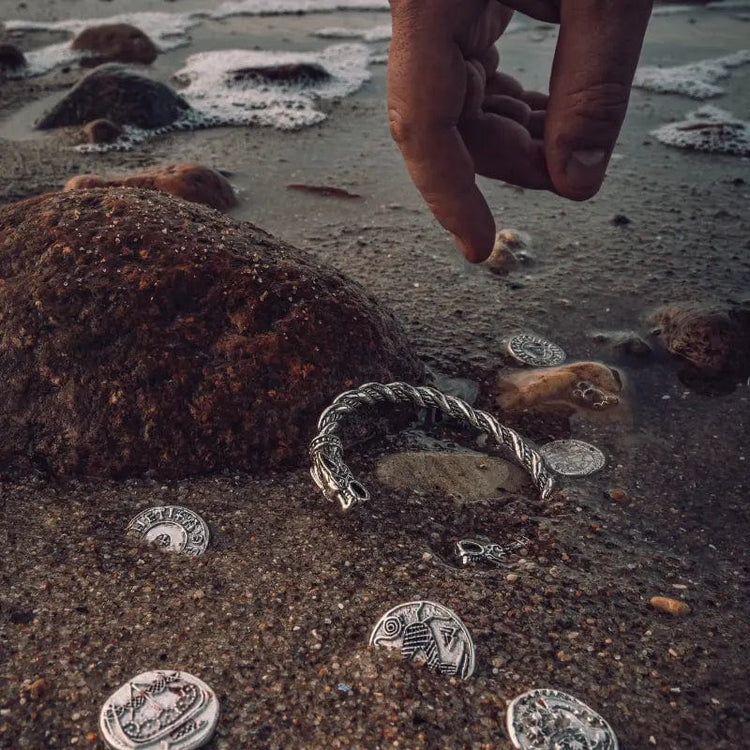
[39,689]
[670,606]
[618,495]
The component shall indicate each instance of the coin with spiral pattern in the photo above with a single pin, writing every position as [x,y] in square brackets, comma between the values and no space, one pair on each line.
[429,633]
[548,719]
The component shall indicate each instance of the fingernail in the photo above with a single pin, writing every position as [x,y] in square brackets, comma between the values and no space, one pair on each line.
[590,157]
[584,169]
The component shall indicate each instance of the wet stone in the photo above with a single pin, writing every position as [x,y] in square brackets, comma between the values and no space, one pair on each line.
[714,338]
[117,93]
[299,74]
[577,387]
[191,182]
[11,58]
[172,340]
[669,606]
[115,42]
[100,131]
[509,243]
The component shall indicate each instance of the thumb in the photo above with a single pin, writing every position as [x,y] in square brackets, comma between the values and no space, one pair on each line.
[595,60]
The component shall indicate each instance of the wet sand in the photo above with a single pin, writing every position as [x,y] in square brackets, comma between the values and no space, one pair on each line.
[276,616]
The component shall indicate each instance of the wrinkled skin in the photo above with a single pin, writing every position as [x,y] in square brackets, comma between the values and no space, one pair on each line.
[454,114]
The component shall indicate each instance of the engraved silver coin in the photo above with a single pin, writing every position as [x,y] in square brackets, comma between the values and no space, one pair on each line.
[173,528]
[572,458]
[429,633]
[160,710]
[529,349]
[552,720]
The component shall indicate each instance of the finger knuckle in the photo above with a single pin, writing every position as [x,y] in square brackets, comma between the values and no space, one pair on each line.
[604,104]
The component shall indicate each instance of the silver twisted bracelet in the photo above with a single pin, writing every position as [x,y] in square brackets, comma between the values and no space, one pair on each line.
[333,476]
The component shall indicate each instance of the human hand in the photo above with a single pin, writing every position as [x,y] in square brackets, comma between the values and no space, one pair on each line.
[454,115]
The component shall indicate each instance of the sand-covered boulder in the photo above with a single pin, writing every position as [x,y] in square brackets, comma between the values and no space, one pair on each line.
[188,181]
[116,93]
[115,42]
[713,337]
[139,332]
[11,58]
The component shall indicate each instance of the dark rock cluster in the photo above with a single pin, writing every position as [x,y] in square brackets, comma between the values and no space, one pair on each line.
[140,333]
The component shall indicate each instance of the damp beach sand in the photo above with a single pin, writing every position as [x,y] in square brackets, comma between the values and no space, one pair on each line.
[275,617]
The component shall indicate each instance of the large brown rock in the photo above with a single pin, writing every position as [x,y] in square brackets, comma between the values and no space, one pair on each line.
[118,94]
[115,42]
[188,181]
[140,332]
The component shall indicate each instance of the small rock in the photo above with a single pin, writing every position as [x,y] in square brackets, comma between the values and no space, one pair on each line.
[190,182]
[11,58]
[471,477]
[502,259]
[713,338]
[565,389]
[632,345]
[511,577]
[618,495]
[100,131]
[670,606]
[115,42]
[39,689]
[116,93]
[620,220]
[299,74]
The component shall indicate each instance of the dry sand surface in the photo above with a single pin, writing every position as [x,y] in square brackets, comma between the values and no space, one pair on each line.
[276,615]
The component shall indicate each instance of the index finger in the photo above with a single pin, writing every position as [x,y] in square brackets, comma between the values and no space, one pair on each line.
[426,89]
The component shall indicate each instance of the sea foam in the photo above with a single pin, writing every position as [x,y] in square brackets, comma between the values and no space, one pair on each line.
[696,79]
[708,129]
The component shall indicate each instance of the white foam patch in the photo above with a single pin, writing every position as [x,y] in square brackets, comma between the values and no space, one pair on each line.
[166,30]
[213,93]
[696,79]
[708,129]
[287,7]
[380,33]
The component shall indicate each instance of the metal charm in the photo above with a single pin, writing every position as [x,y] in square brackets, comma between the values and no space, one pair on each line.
[572,458]
[430,633]
[333,477]
[553,720]
[160,711]
[173,528]
[482,550]
[529,349]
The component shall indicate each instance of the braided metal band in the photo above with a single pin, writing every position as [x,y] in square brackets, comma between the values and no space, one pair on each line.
[333,476]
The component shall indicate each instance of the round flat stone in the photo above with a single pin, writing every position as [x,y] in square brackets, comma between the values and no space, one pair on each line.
[173,528]
[548,719]
[429,633]
[533,350]
[572,458]
[158,710]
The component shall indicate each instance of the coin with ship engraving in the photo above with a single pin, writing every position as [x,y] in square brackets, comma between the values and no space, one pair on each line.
[529,349]
[173,528]
[552,720]
[429,633]
[572,458]
[160,710]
